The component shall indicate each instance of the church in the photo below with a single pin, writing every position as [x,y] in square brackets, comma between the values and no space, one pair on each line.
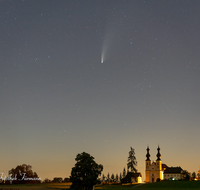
[154,170]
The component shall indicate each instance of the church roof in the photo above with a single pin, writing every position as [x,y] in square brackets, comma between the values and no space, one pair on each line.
[153,163]
[171,170]
[164,166]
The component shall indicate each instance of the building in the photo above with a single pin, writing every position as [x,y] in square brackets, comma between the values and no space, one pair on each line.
[173,173]
[154,170]
[132,177]
[136,178]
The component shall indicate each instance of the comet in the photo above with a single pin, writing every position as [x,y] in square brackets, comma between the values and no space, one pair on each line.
[102,55]
[101,59]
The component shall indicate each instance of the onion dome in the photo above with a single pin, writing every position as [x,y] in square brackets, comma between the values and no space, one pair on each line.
[158,154]
[148,155]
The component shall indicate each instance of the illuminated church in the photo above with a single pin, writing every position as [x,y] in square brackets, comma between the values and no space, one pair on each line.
[154,170]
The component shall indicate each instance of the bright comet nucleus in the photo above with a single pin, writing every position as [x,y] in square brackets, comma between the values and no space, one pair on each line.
[102,57]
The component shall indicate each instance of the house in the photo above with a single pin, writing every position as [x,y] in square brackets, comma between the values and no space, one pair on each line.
[154,170]
[173,173]
[136,177]
[132,177]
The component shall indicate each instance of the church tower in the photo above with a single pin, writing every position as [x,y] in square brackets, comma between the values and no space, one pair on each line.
[153,170]
[159,164]
[148,164]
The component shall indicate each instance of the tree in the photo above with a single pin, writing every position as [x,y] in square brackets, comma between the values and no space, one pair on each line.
[132,163]
[186,175]
[112,178]
[194,175]
[127,179]
[57,180]
[103,177]
[116,178]
[124,173]
[24,174]
[108,177]
[84,174]
[66,180]
[46,180]
[120,176]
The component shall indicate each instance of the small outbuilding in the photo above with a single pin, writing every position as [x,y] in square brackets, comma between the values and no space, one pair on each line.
[136,177]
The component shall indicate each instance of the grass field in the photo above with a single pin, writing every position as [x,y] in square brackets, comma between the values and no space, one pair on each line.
[50,186]
[164,185]
[172,185]
[115,187]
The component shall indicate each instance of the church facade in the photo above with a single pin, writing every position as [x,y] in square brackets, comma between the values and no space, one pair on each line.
[154,170]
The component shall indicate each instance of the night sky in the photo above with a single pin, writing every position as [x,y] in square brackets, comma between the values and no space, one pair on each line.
[99,76]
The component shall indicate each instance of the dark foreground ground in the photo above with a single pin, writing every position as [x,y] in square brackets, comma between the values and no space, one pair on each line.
[164,185]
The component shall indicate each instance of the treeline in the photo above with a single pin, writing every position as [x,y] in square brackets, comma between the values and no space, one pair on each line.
[56,180]
[121,178]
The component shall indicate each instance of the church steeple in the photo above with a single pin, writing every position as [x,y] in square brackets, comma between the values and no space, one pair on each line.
[148,155]
[158,154]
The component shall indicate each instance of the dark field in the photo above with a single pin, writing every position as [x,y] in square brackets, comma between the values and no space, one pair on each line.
[164,185]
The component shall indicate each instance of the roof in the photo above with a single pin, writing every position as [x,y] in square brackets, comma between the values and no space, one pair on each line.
[136,174]
[171,170]
[164,166]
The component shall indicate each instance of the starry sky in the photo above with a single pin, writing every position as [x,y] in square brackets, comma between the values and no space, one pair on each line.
[99,76]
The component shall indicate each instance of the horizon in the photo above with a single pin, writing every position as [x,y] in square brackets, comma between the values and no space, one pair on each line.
[125,166]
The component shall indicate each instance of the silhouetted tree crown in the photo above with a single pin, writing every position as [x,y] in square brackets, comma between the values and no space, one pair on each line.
[132,163]
[124,173]
[186,175]
[120,177]
[23,174]
[112,178]
[103,177]
[194,175]
[108,177]
[84,174]
[116,178]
